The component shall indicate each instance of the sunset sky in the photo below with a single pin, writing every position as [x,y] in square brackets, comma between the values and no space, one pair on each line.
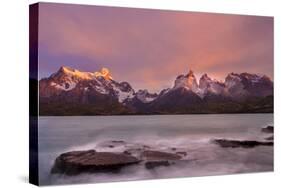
[150,48]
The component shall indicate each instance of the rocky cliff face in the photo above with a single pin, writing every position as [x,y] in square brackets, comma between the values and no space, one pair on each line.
[72,92]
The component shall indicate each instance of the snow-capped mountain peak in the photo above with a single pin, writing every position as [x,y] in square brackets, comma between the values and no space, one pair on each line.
[204,81]
[67,71]
[206,84]
[92,87]
[188,81]
[104,73]
[101,83]
[66,78]
[246,84]
[190,74]
[232,79]
[74,73]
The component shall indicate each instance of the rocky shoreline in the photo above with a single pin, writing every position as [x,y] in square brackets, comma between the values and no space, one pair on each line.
[76,162]
[228,143]
[268,129]
[240,143]
[91,161]
[117,154]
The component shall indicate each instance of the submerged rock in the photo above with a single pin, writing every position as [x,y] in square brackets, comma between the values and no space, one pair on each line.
[268,129]
[112,143]
[158,158]
[154,164]
[118,141]
[76,162]
[182,153]
[151,155]
[270,138]
[238,143]
[92,161]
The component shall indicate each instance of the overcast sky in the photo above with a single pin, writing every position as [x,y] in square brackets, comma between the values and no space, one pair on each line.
[150,48]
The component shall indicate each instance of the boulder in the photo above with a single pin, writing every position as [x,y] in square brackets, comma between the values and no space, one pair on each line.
[155,159]
[268,129]
[270,138]
[92,161]
[76,162]
[150,155]
[240,143]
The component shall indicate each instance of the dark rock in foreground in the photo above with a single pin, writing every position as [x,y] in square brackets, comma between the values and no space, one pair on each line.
[158,158]
[91,161]
[118,141]
[182,153]
[268,129]
[154,164]
[237,143]
[151,155]
[270,138]
[76,162]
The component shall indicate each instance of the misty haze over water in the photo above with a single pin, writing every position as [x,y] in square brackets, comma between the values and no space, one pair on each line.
[189,133]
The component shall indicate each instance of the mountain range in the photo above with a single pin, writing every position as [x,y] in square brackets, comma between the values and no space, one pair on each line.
[72,92]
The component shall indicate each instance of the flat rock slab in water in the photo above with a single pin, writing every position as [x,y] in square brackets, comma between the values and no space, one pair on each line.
[237,143]
[270,138]
[158,158]
[150,155]
[268,129]
[153,164]
[91,161]
[76,162]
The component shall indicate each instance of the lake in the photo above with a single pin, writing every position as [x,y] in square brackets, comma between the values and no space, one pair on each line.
[190,133]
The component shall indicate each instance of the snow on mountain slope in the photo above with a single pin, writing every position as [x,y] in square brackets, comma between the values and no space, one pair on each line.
[206,84]
[233,80]
[188,82]
[66,79]
[123,90]
[78,83]
[145,96]
[246,84]
[236,86]
[103,73]
[74,73]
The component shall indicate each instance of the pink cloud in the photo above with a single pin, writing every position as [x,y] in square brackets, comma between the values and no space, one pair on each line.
[150,47]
